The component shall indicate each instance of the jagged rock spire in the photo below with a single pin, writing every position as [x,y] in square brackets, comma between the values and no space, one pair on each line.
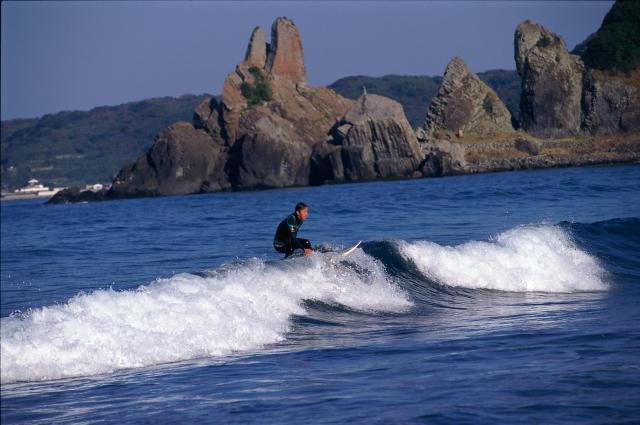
[257,49]
[285,57]
[465,104]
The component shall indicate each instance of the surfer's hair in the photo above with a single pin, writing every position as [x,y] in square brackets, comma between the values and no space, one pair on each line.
[300,206]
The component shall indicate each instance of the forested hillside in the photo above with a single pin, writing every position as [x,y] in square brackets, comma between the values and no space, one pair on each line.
[77,148]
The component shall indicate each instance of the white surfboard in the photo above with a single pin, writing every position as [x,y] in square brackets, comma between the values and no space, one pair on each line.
[353,248]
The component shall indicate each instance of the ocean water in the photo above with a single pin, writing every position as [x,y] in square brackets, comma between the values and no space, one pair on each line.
[497,298]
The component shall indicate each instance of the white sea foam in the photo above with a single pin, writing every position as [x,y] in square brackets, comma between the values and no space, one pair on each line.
[238,308]
[528,258]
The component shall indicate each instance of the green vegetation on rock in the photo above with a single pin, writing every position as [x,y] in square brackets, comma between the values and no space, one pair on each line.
[258,93]
[487,105]
[616,45]
[547,40]
[78,148]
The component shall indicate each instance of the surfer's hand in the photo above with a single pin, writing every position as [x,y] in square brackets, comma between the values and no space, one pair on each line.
[308,251]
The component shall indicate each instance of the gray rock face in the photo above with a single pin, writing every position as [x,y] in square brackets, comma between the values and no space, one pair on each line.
[611,103]
[374,140]
[182,160]
[550,104]
[207,118]
[271,155]
[464,103]
[74,195]
[442,158]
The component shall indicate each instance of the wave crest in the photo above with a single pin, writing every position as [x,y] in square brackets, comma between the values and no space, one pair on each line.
[237,308]
[540,258]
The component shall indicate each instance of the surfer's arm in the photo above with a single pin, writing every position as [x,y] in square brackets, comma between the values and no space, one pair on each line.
[292,233]
[296,244]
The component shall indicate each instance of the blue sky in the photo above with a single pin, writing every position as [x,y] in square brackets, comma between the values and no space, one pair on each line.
[78,55]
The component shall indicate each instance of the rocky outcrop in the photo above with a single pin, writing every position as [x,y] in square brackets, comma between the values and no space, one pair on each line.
[466,105]
[611,102]
[271,117]
[74,195]
[286,58]
[259,136]
[270,153]
[442,158]
[373,140]
[550,104]
[182,160]
[207,118]
[270,129]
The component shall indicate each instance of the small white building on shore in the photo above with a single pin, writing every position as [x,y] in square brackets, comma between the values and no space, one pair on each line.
[33,189]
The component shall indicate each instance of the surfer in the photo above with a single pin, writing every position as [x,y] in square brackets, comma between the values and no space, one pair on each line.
[286,239]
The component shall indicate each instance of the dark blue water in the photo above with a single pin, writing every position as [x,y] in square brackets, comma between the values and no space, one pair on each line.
[496,298]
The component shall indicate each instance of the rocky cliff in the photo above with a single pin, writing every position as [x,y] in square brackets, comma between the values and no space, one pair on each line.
[465,104]
[182,160]
[611,94]
[611,102]
[550,103]
[372,141]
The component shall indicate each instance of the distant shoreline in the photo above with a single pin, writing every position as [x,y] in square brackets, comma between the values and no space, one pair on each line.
[14,197]
[507,166]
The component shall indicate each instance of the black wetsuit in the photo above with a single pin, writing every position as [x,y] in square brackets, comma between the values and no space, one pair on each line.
[286,240]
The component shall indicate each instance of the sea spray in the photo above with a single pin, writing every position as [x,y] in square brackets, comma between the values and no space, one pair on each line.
[236,308]
[527,258]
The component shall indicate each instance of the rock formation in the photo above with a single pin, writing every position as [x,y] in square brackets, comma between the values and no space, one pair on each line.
[270,116]
[271,129]
[550,104]
[465,104]
[182,160]
[373,140]
[270,153]
[258,136]
[611,102]
[74,195]
[443,158]
[207,118]
[285,58]
[257,49]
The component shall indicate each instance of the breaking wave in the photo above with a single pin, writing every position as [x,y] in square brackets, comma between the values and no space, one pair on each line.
[245,306]
[237,308]
[539,258]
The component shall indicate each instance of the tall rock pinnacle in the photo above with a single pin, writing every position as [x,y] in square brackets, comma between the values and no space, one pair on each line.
[550,105]
[257,49]
[286,57]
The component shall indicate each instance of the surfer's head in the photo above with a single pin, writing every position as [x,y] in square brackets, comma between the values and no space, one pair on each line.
[302,212]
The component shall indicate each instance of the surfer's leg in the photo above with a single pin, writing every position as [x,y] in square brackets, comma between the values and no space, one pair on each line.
[284,249]
[288,251]
[305,243]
